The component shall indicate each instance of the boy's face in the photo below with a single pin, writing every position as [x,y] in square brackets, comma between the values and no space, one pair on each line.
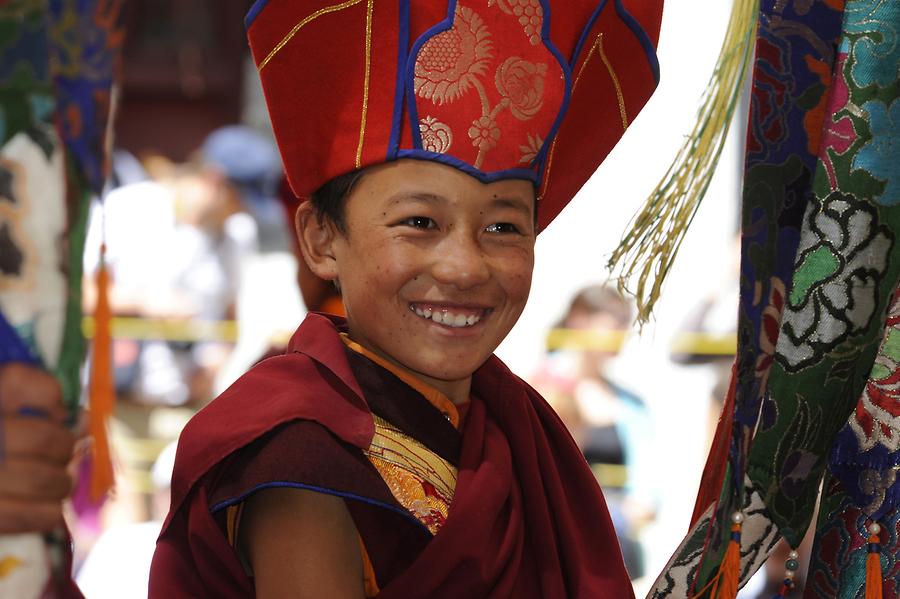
[435,267]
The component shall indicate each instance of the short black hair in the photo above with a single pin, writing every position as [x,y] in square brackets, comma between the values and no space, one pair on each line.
[330,199]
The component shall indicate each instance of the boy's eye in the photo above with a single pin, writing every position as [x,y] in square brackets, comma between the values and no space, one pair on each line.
[419,222]
[502,228]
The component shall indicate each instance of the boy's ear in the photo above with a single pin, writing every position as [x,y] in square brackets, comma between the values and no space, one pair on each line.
[316,237]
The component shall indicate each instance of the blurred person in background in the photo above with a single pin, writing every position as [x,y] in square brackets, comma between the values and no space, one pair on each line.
[201,235]
[244,166]
[610,423]
[214,237]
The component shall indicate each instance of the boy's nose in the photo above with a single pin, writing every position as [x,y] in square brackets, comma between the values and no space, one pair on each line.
[460,262]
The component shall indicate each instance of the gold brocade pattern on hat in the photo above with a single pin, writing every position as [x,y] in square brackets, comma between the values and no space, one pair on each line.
[420,480]
[456,60]
[451,62]
[530,14]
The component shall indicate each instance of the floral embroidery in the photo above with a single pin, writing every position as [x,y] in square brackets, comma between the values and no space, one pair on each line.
[521,84]
[840,134]
[842,256]
[877,51]
[436,136]
[768,330]
[881,155]
[484,133]
[450,62]
[772,87]
[530,151]
[530,14]
[877,416]
[458,61]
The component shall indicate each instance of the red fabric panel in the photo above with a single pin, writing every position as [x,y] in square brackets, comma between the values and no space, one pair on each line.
[567,24]
[316,106]
[382,81]
[648,14]
[593,124]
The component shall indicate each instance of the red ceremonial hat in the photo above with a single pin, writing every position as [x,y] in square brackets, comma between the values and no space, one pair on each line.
[533,89]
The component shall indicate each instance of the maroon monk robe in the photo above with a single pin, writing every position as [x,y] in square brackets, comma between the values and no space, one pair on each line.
[527,519]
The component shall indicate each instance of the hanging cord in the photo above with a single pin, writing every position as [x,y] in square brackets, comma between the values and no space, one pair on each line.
[651,242]
[791,565]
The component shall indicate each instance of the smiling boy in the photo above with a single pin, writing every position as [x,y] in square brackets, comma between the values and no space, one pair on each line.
[391,454]
[434,266]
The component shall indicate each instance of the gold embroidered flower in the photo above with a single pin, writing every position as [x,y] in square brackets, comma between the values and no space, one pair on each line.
[531,149]
[450,62]
[530,14]
[521,83]
[436,136]
[484,133]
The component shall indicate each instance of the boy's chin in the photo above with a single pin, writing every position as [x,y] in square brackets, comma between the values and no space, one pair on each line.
[441,372]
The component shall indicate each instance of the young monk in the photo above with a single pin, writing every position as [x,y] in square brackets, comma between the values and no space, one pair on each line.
[391,454]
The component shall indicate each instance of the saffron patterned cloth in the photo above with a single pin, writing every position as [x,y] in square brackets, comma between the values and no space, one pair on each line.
[57,62]
[814,390]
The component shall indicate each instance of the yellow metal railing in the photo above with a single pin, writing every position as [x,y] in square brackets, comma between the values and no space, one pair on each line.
[227,331]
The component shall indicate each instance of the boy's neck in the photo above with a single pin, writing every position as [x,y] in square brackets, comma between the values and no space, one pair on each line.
[456,391]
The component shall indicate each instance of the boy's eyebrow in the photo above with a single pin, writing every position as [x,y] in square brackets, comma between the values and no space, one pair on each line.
[421,196]
[515,203]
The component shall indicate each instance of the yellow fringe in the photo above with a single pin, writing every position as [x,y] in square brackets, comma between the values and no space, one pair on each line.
[649,246]
[873,572]
[102,392]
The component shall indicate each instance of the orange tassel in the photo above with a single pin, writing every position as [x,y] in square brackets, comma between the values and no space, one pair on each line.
[102,394]
[729,575]
[873,564]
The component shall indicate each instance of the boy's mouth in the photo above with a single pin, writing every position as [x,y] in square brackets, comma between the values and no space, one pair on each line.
[455,317]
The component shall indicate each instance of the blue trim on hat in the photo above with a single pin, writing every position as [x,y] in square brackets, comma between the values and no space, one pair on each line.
[440,27]
[254,12]
[402,59]
[584,33]
[642,37]
[513,173]
[567,94]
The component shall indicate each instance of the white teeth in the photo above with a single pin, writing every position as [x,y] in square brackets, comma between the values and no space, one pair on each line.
[447,318]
